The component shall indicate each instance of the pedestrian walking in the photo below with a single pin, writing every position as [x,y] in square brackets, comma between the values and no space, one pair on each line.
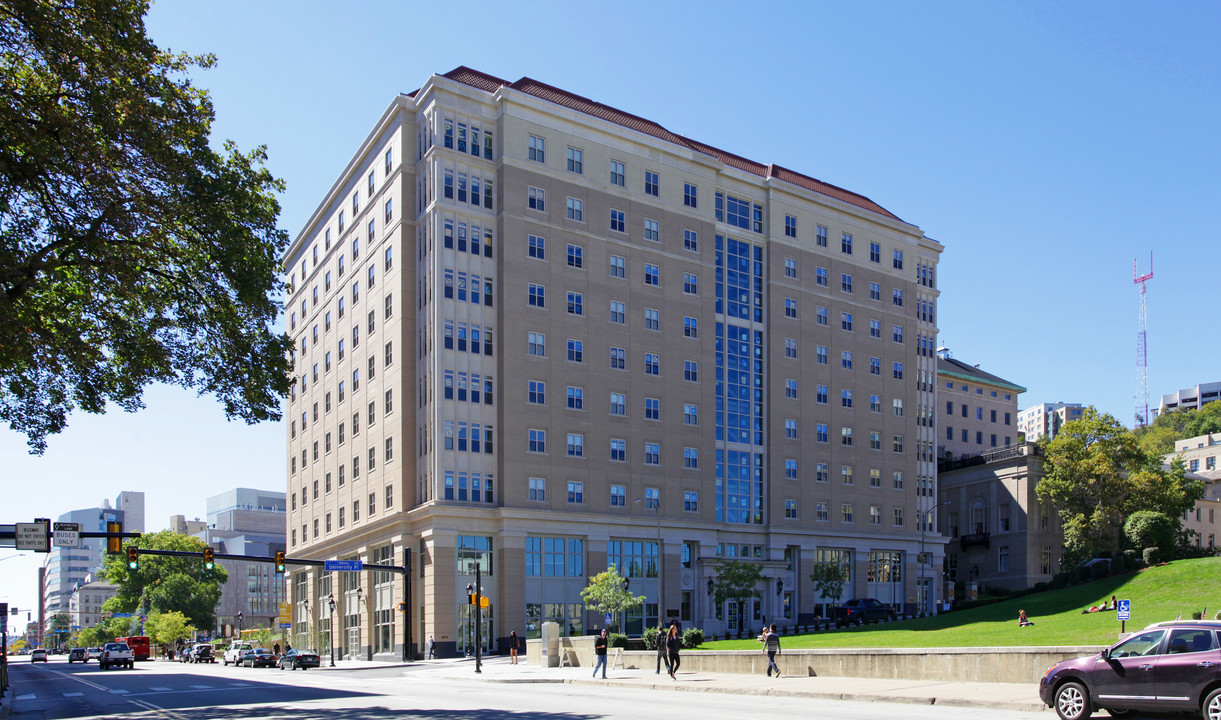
[663,655]
[673,643]
[275,649]
[513,643]
[600,652]
[771,646]
[432,648]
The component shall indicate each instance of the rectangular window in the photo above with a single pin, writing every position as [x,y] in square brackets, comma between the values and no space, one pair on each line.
[691,370]
[691,240]
[537,344]
[790,268]
[690,327]
[652,364]
[576,160]
[845,282]
[576,492]
[845,243]
[652,453]
[875,291]
[618,173]
[537,441]
[691,458]
[576,303]
[898,260]
[618,220]
[576,445]
[537,199]
[790,308]
[576,209]
[618,312]
[576,256]
[820,276]
[537,149]
[790,388]
[652,275]
[576,398]
[538,489]
[618,450]
[691,284]
[821,236]
[790,509]
[690,195]
[875,252]
[618,495]
[536,392]
[652,183]
[790,226]
[538,247]
[652,230]
[652,319]
[618,404]
[618,358]
[618,266]
[576,351]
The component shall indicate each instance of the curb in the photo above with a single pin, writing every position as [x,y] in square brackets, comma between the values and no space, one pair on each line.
[6,703]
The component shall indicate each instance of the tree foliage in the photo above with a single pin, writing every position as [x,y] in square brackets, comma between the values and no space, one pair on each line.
[1158,437]
[828,580]
[607,592]
[131,252]
[737,581]
[1148,528]
[167,628]
[1097,474]
[166,584]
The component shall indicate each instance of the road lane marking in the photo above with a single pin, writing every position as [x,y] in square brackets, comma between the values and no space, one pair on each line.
[73,694]
[69,676]
[159,689]
[27,696]
[202,687]
[157,709]
[119,691]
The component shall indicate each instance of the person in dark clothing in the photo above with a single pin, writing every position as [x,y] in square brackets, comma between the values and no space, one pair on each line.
[513,643]
[600,652]
[663,654]
[771,645]
[673,643]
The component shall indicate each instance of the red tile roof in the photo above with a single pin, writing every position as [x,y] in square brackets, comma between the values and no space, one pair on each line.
[490,84]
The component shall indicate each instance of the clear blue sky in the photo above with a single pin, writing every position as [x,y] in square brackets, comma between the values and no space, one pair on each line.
[1045,144]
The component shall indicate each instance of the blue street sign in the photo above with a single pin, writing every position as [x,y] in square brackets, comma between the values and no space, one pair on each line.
[286,625]
[344,566]
[1125,610]
[609,617]
[121,615]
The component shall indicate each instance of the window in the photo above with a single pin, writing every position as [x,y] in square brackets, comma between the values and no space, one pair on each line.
[898,371]
[618,358]
[652,364]
[875,291]
[897,444]
[652,319]
[576,350]
[790,348]
[790,469]
[652,181]
[618,450]
[845,282]
[537,344]
[576,158]
[898,297]
[537,247]
[821,236]
[790,509]
[618,404]
[652,275]
[537,149]
[618,495]
[845,436]
[790,428]
[875,515]
[576,256]
[618,266]
[790,308]
[576,492]
[821,353]
[790,226]
[845,359]
[845,321]
[576,303]
[691,414]
[691,240]
[538,441]
[618,172]
[537,199]
[691,458]
[691,284]
[536,393]
[790,388]
[846,512]
[690,327]
[690,195]
[618,312]
[820,276]
[875,403]
[820,315]
[576,209]
[898,407]
[821,394]
[652,230]
[576,445]
[875,366]
[652,453]
[618,221]
[898,260]
[845,243]
[875,328]
[538,489]
[875,252]
[576,398]
[822,472]
[845,398]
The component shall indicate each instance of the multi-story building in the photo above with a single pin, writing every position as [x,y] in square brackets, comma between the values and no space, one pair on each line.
[85,605]
[68,567]
[1190,398]
[977,409]
[245,521]
[543,336]
[1199,455]
[1046,419]
[182,526]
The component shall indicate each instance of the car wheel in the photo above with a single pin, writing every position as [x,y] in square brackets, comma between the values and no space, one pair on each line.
[1116,713]
[1212,705]
[1072,702]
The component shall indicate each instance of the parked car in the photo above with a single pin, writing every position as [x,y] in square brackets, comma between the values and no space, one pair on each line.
[75,654]
[184,655]
[202,653]
[39,655]
[233,654]
[859,611]
[304,659]
[116,653]
[259,657]
[94,653]
[1167,667]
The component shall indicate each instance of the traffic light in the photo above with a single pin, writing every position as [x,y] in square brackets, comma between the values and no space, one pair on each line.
[133,558]
[280,561]
[208,561]
[114,543]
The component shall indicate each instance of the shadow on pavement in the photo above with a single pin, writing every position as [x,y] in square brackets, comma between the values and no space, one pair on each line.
[273,712]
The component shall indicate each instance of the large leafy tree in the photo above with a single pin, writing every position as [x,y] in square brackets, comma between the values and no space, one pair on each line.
[168,628]
[1097,474]
[607,592]
[164,584]
[737,581]
[131,251]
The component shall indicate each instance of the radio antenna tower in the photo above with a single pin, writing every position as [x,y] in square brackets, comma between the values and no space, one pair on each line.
[1142,357]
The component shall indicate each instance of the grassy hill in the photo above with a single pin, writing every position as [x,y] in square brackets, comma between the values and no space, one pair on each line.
[1158,593]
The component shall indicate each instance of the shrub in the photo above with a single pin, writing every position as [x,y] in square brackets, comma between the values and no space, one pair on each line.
[1150,556]
[693,638]
[650,638]
[1147,528]
[1197,615]
[618,640]
[1132,558]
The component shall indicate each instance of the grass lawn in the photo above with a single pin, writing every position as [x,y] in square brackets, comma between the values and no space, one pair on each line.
[1158,593]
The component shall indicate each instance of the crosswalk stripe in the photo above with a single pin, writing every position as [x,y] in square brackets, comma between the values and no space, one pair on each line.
[73,694]
[159,689]
[27,696]
[119,692]
[202,687]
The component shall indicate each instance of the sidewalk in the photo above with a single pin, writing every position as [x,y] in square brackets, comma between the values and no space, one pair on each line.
[1000,696]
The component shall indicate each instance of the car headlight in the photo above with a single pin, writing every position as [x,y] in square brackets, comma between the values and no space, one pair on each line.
[1049,670]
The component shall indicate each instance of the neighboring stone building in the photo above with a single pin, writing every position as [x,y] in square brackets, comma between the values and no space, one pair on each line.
[999,533]
[85,605]
[182,526]
[543,333]
[977,410]
[1046,419]
[1190,398]
[1199,455]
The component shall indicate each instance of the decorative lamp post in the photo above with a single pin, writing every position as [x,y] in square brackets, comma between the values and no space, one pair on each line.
[661,559]
[923,517]
[331,633]
[470,591]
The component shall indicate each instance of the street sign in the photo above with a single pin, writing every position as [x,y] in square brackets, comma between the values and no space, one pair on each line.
[8,532]
[33,536]
[286,614]
[1124,611]
[608,618]
[344,565]
[67,535]
[286,625]
[4,609]
[121,615]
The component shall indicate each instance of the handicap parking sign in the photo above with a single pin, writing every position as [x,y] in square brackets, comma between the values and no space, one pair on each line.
[609,617]
[1124,611]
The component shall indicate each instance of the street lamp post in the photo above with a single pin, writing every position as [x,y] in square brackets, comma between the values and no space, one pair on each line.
[470,591]
[923,517]
[661,560]
[331,634]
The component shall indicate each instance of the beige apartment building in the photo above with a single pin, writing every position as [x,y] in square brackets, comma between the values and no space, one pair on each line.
[1046,419]
[978,410]
[542,336]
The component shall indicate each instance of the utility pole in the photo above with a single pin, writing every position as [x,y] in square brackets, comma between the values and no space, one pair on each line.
[478,616]
[1142,358]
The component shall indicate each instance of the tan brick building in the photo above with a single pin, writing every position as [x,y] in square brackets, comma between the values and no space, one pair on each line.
[543,332]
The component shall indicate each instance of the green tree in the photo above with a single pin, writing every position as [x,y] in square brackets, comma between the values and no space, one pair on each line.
[1097,475]
[167,628]
[828,580]
[737,581]
[607,592]
[1147,528]
[131,251]
[105,631]
[165,584]
[61,628]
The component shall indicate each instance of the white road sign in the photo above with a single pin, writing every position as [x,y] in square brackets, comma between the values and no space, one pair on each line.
[32,536]
[66,535]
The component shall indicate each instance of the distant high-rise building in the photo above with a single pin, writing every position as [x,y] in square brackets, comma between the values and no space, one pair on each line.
[1046,419]
[1191,398]
[543,336]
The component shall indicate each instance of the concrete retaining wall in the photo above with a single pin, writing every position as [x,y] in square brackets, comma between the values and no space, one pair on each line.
[989,664]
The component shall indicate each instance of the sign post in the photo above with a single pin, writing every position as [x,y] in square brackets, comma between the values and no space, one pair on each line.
[1123,613]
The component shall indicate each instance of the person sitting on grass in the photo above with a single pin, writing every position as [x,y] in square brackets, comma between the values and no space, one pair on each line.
[1022,620]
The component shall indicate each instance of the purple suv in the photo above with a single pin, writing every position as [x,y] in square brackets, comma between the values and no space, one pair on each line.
[1168,666]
